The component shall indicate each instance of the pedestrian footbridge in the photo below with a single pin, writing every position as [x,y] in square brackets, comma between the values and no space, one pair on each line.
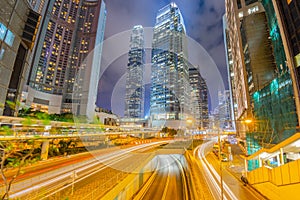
[278,174]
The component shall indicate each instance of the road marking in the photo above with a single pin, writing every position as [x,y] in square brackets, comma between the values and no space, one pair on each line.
[168,181]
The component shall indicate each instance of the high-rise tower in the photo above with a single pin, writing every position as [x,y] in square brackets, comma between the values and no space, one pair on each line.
[18,26]
[48,75]
[80,95]
[252,30]
[135,92]
[69,50]
[199,98]
[169,78]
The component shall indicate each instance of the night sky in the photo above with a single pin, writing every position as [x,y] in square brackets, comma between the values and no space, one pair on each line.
[203,21]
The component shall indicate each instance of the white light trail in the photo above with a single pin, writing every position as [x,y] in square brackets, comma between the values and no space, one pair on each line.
[211,173]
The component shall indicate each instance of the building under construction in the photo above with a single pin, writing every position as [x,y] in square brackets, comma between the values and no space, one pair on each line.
[268,78]
[273,105]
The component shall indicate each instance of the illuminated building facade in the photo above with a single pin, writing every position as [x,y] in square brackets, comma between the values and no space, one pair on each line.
[199,98]
[239,83]
[38,5]
[81,90]
[50,64]
[224,110]
[169,77]
[288,18]
[135,91]
[70,32]
[229,62]
[18,25]
[268,77]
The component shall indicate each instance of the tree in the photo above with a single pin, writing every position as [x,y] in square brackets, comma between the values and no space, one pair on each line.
[170,131]
[164,130]
[14,155]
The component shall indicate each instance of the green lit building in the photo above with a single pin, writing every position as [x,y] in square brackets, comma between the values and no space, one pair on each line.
[269,76]
[274,105]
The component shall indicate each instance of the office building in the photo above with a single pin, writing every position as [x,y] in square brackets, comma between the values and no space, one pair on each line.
[69,51]
[239,83]
[18,25]
[170,92]
[268,77]
[287,14]
[135,91]
[224,110]
[81,90]
[229,62]
[199,98]
[48,75]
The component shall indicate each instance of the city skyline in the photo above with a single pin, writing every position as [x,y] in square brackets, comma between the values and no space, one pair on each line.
[70,70]
[195,13]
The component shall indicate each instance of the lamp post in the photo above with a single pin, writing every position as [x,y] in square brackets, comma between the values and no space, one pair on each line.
[220,162]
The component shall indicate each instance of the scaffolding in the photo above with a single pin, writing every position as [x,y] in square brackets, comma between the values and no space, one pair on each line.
[275,111]
[273,106]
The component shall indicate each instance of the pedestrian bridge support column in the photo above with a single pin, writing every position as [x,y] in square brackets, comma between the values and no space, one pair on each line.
[45,149]
[281,157]
[259,161]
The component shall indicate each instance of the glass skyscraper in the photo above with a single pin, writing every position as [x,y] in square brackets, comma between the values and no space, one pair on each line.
[199,98]
[135,91]
[66,62]
[169,77]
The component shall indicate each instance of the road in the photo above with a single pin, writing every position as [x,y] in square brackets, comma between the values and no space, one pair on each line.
[66,181]
[169,180]
[222,183]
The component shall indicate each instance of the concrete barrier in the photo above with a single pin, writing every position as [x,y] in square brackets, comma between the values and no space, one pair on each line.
[127,188]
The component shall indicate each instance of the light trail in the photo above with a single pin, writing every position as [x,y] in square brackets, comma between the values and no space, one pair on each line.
[168,172]
[182,173]
[118,156]
[167,182]
[211,175]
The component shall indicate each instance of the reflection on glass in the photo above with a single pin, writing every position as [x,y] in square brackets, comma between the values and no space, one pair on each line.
[1,53]
[9,39]
[2,31]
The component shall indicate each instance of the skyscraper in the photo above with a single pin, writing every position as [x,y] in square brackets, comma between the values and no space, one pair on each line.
[239,84]
[135,92]
[199,98]
[229,62]
[71,31]
[169,93]
[80,95]
[18,25]
[268,78]
[48,76]
[224,109]
[289,27]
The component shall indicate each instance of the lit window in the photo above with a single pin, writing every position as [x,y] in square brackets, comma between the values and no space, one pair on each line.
[10,37]
[1,53]
[252,10]
[2,31]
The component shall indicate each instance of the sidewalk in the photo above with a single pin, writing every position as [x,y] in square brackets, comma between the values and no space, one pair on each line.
[237,166]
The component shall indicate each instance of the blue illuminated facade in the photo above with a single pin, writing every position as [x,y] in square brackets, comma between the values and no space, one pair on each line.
[135,91]
[170,77]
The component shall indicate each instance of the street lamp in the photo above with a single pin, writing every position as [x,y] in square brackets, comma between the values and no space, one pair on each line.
[190,121]
[220,161]
[248,121]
